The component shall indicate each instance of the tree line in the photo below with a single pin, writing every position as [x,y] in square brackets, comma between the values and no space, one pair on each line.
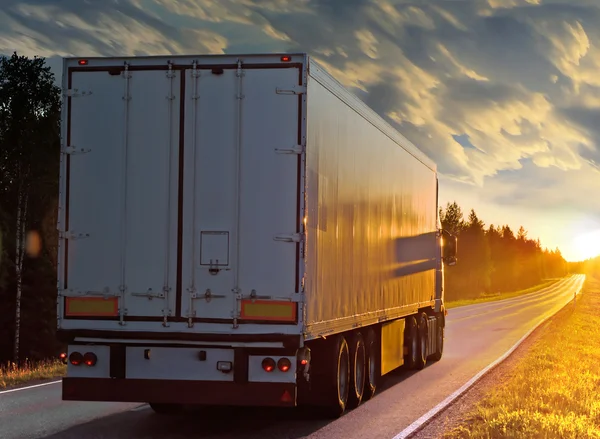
[590,266]
[490,260]
[29,162]
[495,259]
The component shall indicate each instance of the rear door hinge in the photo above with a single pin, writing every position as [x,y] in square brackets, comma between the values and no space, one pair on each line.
[298,149]
[74,93]
[295,90]
[72,235]
[293,237]
[70,150]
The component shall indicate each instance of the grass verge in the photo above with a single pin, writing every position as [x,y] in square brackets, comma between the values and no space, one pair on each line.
[552,392]
[491,297]
[11,375]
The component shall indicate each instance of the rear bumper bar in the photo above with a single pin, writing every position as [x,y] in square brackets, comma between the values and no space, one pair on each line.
[69,335]
[179,392]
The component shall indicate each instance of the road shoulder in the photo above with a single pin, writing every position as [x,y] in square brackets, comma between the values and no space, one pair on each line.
[30,384]
[456,414]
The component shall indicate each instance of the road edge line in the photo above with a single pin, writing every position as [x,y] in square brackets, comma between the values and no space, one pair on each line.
[420,423]
[2,392]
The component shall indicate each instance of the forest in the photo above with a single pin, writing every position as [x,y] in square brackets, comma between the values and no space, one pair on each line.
[495,259]
[490,258]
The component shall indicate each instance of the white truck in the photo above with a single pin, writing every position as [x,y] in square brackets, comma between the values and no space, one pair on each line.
[240,230]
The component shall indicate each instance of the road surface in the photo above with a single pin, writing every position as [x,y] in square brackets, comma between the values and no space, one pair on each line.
[476,336]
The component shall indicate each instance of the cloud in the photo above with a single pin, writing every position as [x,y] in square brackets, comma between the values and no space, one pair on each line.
[92,29]
[275,34]
[496,4]
[586,118]
[206,10]
[502,94]
[367,43]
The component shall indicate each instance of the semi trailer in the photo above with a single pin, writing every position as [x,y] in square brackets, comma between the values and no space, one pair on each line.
[240,230]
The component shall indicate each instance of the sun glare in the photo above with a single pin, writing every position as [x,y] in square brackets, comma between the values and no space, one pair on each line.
[587,245]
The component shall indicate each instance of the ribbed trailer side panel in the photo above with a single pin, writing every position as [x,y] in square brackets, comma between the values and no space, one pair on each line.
[371,226]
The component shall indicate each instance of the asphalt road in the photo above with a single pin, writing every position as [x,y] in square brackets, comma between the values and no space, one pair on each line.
[476,336]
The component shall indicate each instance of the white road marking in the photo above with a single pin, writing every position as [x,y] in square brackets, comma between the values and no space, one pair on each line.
[424,420]
[18,389]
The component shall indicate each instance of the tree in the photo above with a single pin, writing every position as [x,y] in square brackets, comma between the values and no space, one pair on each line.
[478,255]
[452,218]
[29,147]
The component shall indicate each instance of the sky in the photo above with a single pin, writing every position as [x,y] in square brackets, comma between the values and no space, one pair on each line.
[504,95]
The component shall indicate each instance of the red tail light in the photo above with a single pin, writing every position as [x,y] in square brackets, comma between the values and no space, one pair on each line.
[268,364]
[284,364]
[76,358]
[90,359]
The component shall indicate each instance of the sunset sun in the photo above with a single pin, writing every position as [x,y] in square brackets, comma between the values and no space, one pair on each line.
[587,245]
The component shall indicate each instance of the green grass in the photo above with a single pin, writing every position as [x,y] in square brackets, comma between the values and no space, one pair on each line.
[553,390]
[491,297]
[11,375]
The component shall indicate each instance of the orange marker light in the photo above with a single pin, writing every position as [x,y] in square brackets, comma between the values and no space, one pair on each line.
[286,58]
[82,62]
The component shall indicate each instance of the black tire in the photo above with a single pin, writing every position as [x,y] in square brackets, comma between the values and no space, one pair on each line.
[422,351]
[358,362]
[439,349]
[411,341]
[331,371]
[372,367]
[166,409]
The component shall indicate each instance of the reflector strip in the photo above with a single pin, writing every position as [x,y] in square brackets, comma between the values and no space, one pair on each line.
[92,306]
[268,310]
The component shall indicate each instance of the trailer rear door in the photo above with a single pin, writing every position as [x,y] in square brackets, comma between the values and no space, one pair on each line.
[242,196]
[120,188]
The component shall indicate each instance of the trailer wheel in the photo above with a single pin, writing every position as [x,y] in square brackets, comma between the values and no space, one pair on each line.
[372,367]
[411,340]
[166,409]
[439,345]
[357,370]
[423,338]
[331,371]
